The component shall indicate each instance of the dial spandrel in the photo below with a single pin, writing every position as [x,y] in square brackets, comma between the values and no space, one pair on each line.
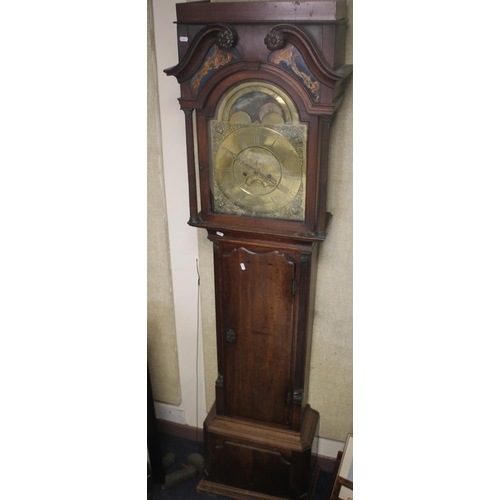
[258,154]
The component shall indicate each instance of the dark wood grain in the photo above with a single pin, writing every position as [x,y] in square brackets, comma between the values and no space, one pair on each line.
[339,482]
[238,469]
[301,350]
[323,175]
[258,306]
[335,471]
[193,201]
[220,390]
[258,12]
[269,305]
[251,460]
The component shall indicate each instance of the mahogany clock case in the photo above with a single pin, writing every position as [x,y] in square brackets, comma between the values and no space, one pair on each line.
[259,434]
[260,83]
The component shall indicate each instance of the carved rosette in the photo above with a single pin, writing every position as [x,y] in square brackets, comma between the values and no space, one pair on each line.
[275,39]
[226,38]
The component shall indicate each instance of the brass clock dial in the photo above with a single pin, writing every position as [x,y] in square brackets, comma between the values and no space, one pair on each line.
[258,155]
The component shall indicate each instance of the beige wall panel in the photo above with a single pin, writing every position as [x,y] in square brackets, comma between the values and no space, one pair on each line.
[331,378]
[162,342]
[331,389]
[331,364]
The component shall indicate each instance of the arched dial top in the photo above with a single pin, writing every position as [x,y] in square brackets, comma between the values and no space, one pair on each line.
[258,154]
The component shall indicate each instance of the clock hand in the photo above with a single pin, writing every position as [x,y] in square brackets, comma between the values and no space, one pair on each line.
[269,178]
[264,180]
[245,163]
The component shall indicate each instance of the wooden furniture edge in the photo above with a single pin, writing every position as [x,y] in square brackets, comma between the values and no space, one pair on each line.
[182,431]
[259,433]
[187,432]
[212,488]
[269,12]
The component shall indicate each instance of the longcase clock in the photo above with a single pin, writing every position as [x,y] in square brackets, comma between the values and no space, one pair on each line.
[261,81]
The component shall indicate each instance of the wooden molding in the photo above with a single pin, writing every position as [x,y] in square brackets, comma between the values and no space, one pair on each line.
[221,34]
[212,488]
[282,34]
[182,431]
[271,12]
[187,432]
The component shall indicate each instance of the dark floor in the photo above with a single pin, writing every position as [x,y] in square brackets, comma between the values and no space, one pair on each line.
[182,448]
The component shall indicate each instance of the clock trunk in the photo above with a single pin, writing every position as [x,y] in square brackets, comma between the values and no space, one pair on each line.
[258,331]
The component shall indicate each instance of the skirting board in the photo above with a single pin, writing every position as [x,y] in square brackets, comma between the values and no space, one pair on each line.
[327,449]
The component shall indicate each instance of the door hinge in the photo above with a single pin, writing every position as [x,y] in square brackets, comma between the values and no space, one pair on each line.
[230,335]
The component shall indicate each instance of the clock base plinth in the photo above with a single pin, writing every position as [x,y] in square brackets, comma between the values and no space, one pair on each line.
[210,488]
[248,460]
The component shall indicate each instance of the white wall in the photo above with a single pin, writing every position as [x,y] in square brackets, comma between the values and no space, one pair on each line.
[163,361]
[183,238]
